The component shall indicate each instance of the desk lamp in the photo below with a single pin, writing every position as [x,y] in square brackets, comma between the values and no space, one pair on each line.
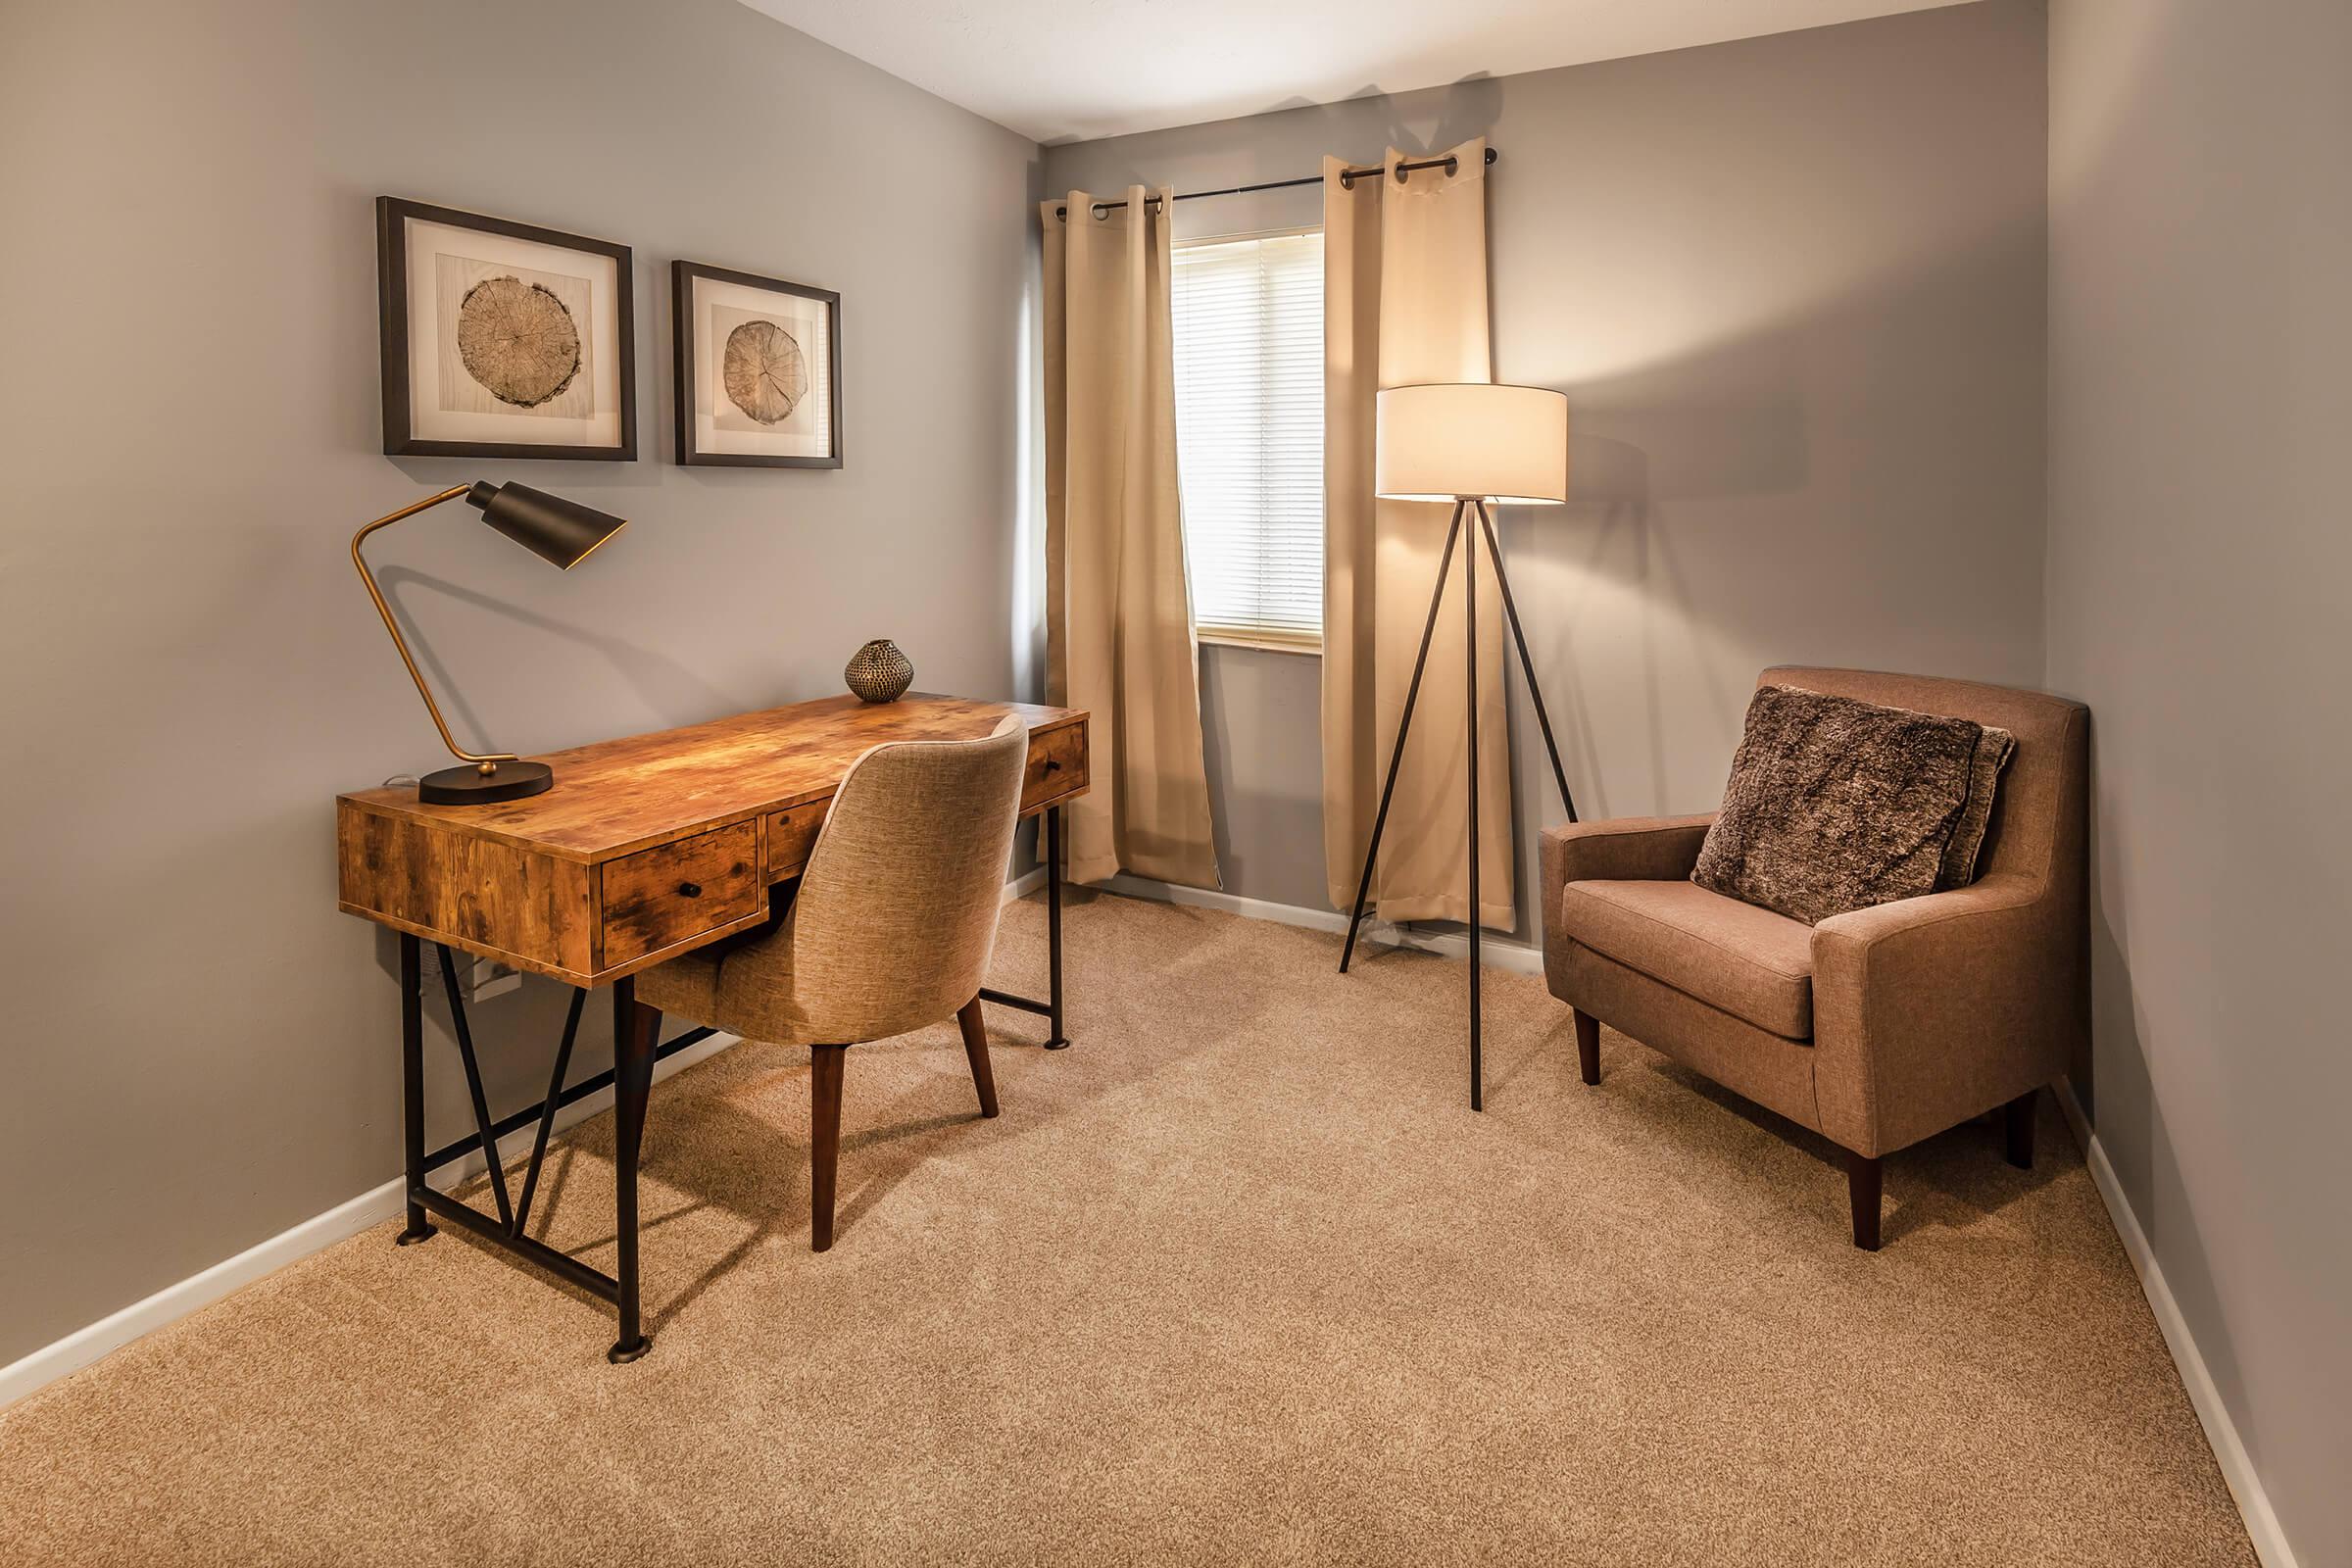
[1467,443]
[556,530]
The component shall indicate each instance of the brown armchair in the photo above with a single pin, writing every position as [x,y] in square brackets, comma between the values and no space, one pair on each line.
[1876,1028]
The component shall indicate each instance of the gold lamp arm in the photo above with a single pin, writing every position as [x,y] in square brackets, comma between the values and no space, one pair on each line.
[489,761]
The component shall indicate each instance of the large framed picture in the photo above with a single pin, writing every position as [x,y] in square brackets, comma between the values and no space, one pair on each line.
[501,340]
[759,369]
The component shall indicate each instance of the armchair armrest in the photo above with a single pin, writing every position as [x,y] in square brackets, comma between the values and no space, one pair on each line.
[1625,848]
[1929,1010]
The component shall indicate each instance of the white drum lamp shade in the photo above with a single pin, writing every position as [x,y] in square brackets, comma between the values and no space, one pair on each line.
[1455,440]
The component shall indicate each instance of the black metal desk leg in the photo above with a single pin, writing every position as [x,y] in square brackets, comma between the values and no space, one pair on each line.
[412,1083]
[1056,1039]
[634,1029]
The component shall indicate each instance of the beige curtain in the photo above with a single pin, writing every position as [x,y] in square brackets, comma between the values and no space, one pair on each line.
[1119,637]
[1404,300]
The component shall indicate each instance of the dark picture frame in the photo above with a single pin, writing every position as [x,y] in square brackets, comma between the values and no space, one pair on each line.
[397,313]
[691,369]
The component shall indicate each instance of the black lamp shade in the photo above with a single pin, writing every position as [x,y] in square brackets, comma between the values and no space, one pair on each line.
[554,530]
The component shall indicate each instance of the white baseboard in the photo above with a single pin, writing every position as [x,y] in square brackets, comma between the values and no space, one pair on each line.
[1495,951]
[2071,1107]
[2221,1431]
[175,1302]
[316,1234]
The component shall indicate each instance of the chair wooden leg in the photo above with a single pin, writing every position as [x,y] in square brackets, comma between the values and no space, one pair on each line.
[1863,1186]
[975,1051]
[1588,1045]
[2017,1126]
[824,1140]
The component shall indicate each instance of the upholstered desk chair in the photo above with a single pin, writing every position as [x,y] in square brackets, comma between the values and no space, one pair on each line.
[1877,1027]
[891,929]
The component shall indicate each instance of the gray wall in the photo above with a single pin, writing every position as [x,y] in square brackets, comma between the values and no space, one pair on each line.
[201,1052]
[1793,288]
[2200,326]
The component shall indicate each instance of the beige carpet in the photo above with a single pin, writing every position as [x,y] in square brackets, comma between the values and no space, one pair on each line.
[1239,1279]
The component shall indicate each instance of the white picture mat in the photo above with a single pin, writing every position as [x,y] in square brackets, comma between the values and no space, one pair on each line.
[424,240]
[808,432]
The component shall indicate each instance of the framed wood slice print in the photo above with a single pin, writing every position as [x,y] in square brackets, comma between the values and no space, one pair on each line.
[759,365]
[501,340]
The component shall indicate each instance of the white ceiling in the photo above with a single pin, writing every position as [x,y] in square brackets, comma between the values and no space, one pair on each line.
[1074,70]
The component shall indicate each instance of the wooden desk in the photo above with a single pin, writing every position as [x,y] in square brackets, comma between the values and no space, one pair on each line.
[646,848]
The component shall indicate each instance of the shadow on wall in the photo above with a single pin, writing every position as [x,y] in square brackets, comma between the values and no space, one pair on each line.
[1472,106]
[1263,747]
[1596,544]
[1735,505]
[667,686]
[1251,151]
[1780,437]
[2111,1078]
[1749,502]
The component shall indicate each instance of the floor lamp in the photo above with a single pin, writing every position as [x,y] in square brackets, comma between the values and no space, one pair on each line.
[1467,442]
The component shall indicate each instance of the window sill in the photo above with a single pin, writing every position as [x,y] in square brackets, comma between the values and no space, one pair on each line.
[1265,645]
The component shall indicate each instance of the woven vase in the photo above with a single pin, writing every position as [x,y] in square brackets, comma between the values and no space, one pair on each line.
[878,673]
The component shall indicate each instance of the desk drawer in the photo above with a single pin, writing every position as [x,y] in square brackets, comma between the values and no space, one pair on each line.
[790,835]
[1057,765]
[671,892]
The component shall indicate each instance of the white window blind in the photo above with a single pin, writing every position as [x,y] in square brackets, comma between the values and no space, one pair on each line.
[1248,322]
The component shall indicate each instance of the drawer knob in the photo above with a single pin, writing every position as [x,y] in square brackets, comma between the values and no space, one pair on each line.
[690,890]
[1052,764]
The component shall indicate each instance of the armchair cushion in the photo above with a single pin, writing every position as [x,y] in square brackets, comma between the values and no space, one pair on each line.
[1836,804]
[1748,961]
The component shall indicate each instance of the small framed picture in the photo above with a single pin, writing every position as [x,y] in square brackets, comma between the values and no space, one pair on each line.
[759,369]
[501,340]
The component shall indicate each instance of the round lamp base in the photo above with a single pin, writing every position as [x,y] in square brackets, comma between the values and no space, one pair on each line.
[471,786]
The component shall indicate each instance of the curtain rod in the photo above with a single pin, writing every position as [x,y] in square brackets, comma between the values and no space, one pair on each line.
[1347,179]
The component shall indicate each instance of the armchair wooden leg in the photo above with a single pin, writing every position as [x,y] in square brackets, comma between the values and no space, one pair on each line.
[2017,1126]
[1863,1186]
[824,1140]
[976,1049]
[1588,1045]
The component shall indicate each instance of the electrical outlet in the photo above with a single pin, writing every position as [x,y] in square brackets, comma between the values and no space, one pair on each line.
[478,979]
[492,978]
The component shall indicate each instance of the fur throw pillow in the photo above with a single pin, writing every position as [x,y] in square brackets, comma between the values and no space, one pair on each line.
[1837,804]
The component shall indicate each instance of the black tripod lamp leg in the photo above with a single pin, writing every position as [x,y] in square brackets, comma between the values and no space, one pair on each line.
[1527,664]
[1470,662]
[1404,725]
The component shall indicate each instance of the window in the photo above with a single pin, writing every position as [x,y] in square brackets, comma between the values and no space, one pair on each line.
[1249,322]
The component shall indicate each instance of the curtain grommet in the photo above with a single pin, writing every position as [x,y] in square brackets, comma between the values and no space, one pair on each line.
[1453,165]
[1096,211]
